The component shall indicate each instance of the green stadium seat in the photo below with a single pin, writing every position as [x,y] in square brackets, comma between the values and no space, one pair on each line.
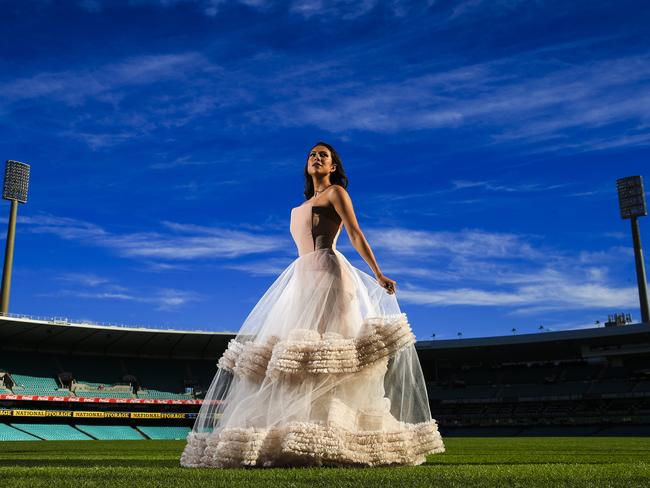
[150,393]
[164,432]
[34,382]
[37,385]
[8,433]
[53,432]
[111,432]
[103,394]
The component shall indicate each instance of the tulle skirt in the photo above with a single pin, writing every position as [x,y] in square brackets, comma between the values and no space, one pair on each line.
[322,372]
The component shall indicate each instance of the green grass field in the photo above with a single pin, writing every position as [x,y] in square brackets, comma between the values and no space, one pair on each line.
[468,461]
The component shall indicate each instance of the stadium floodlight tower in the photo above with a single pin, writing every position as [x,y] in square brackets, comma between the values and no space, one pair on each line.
[631,200]
[15,190]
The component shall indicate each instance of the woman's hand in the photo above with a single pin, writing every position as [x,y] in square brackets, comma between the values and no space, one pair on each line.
[387,283]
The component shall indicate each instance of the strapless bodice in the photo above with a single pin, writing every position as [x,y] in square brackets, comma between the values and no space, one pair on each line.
[314,227]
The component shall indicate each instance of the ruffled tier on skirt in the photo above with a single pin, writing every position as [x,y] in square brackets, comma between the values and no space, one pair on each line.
[312,444]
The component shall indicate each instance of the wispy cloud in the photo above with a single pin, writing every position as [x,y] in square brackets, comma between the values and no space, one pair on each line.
[500,98]
[308,9]
[474,191]
[114,103]
[346,10]
[164,299]
[498,187]
[463,268]
[527,300]
[86,285]
[469,242]
[183,242]
[532,98]
[489,269]
[264,267]
[77,87]
[85,279]
[471,7]
[195,190]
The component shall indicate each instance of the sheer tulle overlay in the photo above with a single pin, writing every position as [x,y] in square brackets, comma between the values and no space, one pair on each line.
[322,372]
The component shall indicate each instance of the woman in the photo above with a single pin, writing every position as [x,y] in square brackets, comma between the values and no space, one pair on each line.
[324,369]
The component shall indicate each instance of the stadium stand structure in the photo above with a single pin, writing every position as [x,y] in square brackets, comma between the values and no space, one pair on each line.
[64,380]
[61,380]
[592,381]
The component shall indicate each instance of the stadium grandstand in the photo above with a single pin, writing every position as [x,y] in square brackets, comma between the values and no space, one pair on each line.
[65,380]
[80,381]
[593,381]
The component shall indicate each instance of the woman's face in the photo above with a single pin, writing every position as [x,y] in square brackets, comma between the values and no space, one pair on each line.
[320,161]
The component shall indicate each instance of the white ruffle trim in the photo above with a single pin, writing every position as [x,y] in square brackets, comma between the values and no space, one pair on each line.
[307,352]
[312,444]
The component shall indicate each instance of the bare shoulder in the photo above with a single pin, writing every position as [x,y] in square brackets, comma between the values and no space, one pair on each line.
[339,192]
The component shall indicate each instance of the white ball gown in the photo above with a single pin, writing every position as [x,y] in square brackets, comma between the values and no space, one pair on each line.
[322,372]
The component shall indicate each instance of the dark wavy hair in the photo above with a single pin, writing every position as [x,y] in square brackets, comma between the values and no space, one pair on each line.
[337,178]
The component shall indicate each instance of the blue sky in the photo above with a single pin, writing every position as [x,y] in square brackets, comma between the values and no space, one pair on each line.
[482,140]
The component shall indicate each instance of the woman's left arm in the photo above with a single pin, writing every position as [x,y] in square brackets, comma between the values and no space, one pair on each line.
[343,206]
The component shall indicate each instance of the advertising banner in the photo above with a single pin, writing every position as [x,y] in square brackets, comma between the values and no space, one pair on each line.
[138,401]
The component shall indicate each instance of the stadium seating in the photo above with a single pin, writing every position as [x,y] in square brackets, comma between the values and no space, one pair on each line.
[530,374]
[111,432]
[484,392]
[36,385]
[475,376]
[521,389]
[549,430]
[33,365]
[482,431]
[643,386]
[164,432]
[34,382]
[53,432]
[529,409]
[159,379]
[498,409]
[545,390]
[472,409]
[611,387]
[202,373]
[8,433]
[621,406]
[85,370]
[618,430]
[156,374]
[616,372]
[149,393]
[580,371]
[588,408]
[559,409]
[103,394]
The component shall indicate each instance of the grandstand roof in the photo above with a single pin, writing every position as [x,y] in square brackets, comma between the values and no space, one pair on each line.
[569,344]
[61,336]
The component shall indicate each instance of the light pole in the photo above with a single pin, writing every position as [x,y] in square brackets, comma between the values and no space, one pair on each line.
[631,200]
[15,190]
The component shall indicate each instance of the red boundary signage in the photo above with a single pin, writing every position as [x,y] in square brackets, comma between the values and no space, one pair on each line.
[45,398]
